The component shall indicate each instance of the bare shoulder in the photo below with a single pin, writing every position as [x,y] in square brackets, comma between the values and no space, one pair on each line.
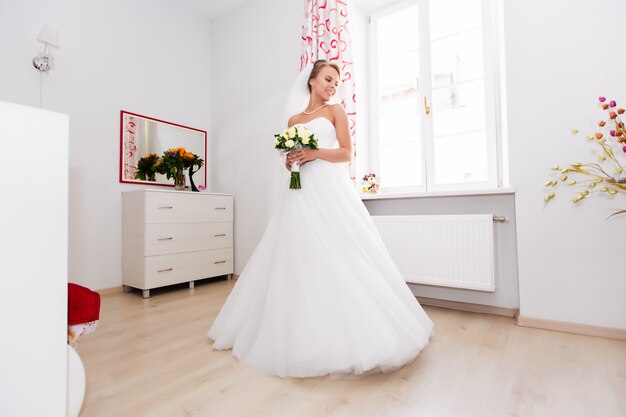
[294,119]
[339,113]
[338,109]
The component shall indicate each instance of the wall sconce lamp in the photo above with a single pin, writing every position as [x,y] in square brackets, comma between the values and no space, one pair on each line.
[44,62]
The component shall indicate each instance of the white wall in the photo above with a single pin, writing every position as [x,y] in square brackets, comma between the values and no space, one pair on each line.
[142,56]
[561,55]
[255,58]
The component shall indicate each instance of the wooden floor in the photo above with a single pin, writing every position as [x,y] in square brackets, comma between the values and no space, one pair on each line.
[152,358]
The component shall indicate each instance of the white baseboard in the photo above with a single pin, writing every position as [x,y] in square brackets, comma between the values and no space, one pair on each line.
[576,328]
[474,308]
[523,321]
[112,290]
[115,290]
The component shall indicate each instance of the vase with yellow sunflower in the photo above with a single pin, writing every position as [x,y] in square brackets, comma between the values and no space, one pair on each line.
[175,162]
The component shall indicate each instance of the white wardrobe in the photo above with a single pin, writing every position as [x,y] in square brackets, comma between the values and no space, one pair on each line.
[33,224]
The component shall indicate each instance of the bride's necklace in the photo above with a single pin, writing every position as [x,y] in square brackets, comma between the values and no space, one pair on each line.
[313,111]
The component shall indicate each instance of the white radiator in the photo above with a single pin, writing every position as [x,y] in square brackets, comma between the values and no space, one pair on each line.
[447,250]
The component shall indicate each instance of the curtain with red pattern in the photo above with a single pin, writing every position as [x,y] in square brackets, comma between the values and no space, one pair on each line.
[130,148]
[326,35]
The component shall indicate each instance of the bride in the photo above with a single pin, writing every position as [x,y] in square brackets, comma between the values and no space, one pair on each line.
[320,293]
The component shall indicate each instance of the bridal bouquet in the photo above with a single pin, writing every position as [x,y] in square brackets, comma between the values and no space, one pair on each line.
[291,139]
[607,175]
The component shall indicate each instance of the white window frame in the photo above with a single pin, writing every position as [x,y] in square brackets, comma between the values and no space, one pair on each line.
[491,13]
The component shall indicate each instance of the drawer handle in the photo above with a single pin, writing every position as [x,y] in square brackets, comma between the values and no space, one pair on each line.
[166,270]
[165,238]
[219,262]
[166,207]
[220,208]
[220,235]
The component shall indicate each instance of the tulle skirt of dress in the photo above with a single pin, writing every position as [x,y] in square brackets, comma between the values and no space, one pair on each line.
[320,293]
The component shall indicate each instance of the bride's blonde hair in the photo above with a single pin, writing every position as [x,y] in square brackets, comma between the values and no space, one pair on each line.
[317,67]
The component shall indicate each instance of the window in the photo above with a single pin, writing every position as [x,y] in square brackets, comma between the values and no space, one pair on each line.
[433,84]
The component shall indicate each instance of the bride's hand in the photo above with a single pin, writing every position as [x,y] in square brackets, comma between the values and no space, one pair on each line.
[289,160]
[302,156]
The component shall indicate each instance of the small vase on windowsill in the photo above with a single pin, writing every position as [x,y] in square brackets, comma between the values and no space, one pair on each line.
[180,182]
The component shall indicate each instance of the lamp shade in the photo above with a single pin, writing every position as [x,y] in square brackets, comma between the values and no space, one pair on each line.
[49,36]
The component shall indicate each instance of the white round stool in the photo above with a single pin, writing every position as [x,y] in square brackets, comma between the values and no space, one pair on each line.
[75,382]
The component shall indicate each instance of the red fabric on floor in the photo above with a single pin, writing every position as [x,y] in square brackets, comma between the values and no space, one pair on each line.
[83,305]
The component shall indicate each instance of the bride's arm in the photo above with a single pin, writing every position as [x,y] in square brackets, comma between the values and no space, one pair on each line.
[343,153]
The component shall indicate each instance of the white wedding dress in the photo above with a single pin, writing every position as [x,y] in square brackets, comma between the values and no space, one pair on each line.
[320,293]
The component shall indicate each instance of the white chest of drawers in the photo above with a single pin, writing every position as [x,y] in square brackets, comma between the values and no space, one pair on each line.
[169,237]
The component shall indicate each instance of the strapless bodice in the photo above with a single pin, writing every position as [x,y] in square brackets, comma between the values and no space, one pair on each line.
[324,132]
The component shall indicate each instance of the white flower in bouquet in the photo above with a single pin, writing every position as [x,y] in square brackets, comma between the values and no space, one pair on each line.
[302,131]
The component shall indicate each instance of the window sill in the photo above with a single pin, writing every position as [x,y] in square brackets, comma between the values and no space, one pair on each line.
[447,193]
